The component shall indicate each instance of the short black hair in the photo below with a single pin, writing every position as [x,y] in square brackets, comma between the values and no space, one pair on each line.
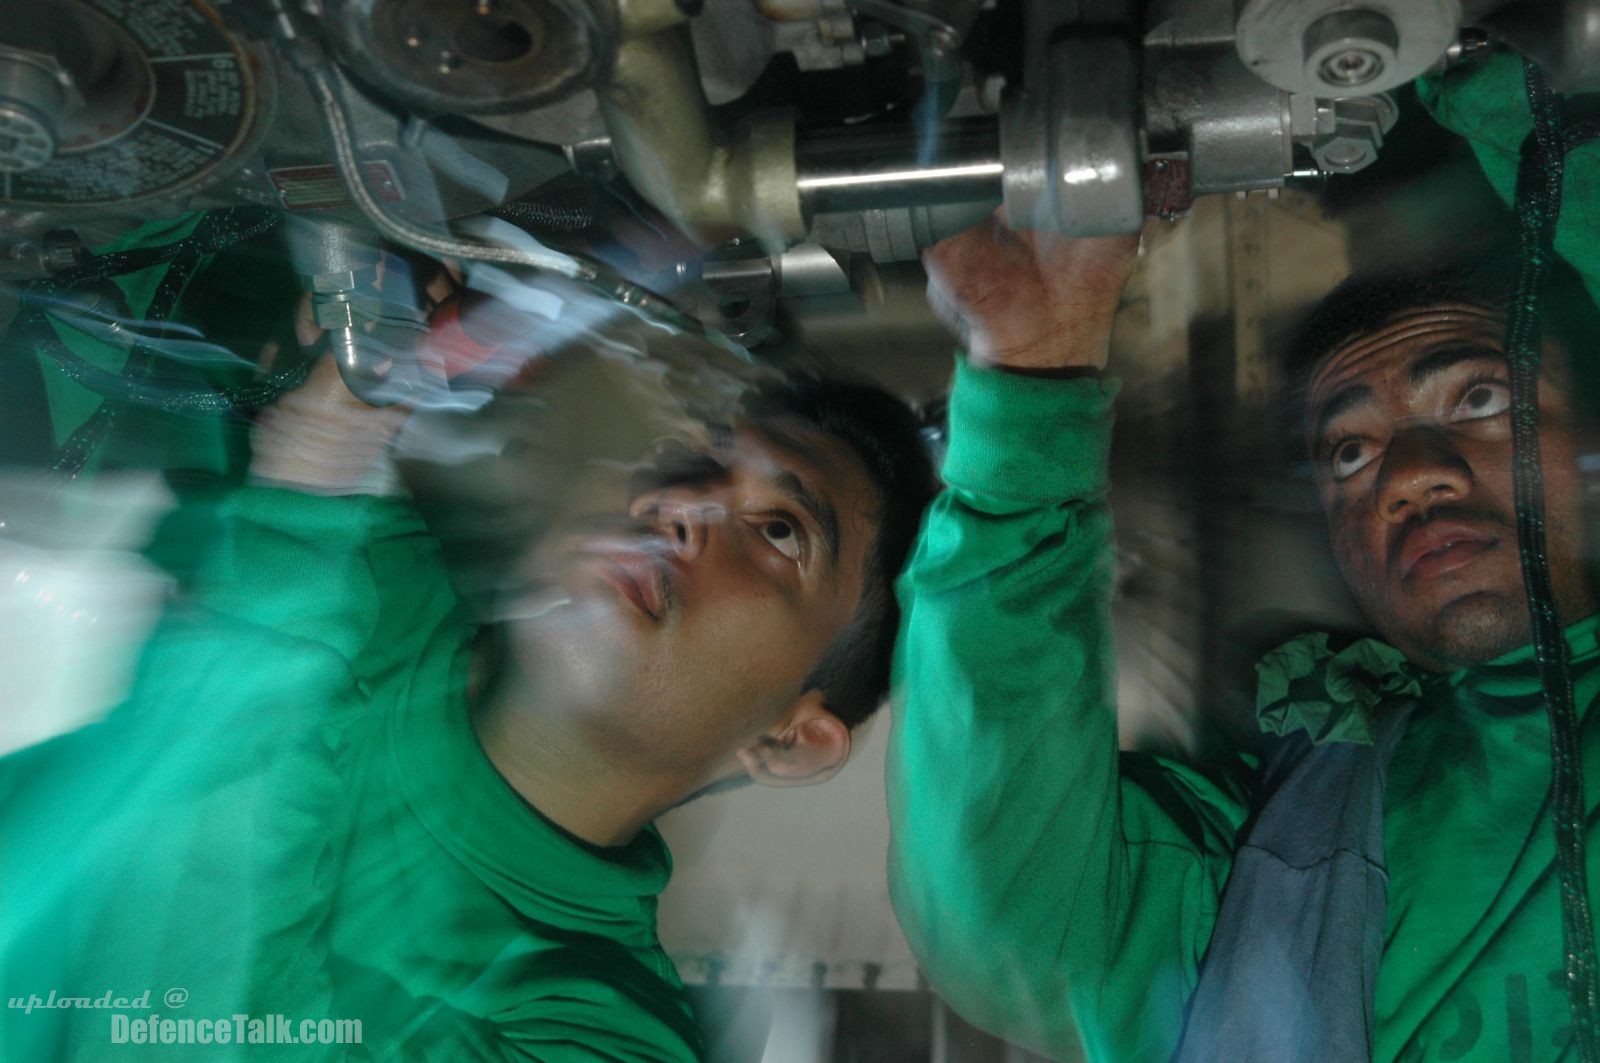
[1365,302]
[886,436]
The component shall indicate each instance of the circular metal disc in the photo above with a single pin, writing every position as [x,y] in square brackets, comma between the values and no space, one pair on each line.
[1271,36]
[166,109]
[471,56]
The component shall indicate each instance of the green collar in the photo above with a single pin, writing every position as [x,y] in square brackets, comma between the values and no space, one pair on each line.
[451,786]
[1305,685]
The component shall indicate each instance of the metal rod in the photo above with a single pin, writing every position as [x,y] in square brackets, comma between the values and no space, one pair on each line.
[862,168]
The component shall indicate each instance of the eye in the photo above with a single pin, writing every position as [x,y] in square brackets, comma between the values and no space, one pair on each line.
[783,534]
[1349,456]
[1482,398]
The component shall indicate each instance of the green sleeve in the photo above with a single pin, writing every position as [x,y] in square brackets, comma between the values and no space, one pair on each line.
[1055,892]
[186,840]
[357,574]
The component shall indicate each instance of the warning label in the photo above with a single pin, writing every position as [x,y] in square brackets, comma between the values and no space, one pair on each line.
[318,187]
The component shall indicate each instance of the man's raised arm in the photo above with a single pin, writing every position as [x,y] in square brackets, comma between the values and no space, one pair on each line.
[1054,893]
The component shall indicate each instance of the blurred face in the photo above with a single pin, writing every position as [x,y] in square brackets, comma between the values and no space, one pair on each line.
[685,630]
[1411,436]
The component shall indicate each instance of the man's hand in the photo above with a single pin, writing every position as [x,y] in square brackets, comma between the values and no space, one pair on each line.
[320,437]
[1030,300]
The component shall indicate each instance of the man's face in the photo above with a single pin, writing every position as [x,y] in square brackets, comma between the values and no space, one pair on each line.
[1411,435]
[688,629]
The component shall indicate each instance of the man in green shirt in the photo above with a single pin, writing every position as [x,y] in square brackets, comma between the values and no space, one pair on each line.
[326,799]
[1387,889]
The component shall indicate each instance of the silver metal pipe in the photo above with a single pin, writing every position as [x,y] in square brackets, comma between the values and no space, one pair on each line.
[872,168]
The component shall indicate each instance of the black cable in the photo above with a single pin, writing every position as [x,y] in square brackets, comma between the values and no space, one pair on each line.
[217,231]
[1539,183]
[550,217]
[139,389]
[225,229]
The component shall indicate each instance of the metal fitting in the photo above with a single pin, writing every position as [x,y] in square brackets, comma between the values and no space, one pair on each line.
[895,234]
[1350,132]
[663,140]
[61,249]
[33,90]
[26,259]
[1473,43]
[1071,147]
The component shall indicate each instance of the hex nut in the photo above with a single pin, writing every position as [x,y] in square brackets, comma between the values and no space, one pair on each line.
[332,313]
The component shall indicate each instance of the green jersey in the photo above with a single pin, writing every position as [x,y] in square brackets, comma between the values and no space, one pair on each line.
[291,816]
[1063,894]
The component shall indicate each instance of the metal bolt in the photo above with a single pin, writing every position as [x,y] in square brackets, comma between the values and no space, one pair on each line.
[1347,155]
[1472,43]
[1350,68]
[874,39]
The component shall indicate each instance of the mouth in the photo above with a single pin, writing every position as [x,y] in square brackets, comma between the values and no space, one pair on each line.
[1431,550]
[637,578]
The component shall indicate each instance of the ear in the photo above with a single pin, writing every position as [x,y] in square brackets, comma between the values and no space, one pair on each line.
[808,745]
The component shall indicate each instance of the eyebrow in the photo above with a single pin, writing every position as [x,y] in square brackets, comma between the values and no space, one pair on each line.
[819,509]
[1420,372]
[1433,363]
[1341,403]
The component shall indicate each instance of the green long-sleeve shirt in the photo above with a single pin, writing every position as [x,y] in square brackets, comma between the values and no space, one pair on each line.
[1062,893]
[291,815]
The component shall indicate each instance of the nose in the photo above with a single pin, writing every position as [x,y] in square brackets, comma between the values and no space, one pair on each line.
[1420,470]
[682,523]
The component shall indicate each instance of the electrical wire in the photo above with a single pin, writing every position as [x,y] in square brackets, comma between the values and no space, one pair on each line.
[1538,201]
